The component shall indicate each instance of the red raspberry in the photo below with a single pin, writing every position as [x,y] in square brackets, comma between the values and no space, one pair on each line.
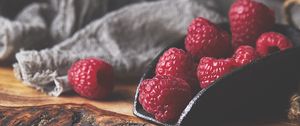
[165,97]
[206,39]
[244,55]
[210,69]
[91,78]
[248,19]
[177,63]
[270,42]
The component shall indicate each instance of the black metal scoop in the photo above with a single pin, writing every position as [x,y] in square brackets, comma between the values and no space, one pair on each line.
[258,91]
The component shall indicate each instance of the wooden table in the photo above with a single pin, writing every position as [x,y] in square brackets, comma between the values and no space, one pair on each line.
[13,93]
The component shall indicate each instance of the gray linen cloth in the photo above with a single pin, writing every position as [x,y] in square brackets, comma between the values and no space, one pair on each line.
[128,38]
[46,36]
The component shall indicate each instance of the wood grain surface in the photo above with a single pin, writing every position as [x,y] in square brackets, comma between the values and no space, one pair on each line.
[14,93]
[65,115]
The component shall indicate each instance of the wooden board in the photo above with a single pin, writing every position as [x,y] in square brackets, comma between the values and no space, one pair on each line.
[65,115]
[14,93]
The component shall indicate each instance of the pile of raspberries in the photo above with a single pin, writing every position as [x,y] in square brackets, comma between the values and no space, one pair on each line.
[210,52]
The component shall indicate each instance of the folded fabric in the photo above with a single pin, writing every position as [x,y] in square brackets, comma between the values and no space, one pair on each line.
[27,31]
[127,38]
[43,24]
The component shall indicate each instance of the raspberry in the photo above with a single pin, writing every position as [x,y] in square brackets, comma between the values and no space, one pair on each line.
[270,42]
[91,78]
[206,39]
[210,69]
[248,19]
[165,97]
[177,63]
[244,55]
